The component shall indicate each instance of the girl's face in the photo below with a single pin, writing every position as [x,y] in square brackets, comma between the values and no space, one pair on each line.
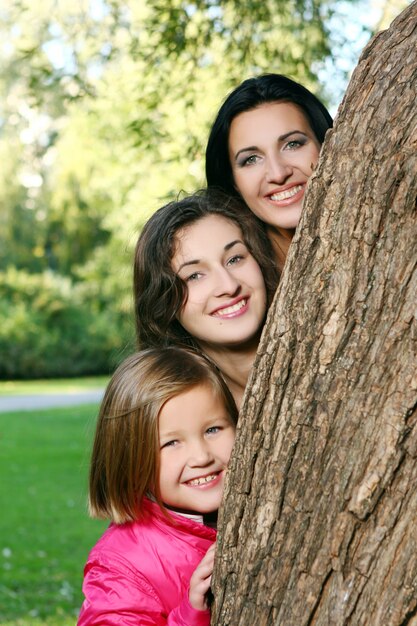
[196,437]
[226,303]
[273,152]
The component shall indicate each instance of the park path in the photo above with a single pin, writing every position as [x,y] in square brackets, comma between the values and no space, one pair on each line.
[49,401]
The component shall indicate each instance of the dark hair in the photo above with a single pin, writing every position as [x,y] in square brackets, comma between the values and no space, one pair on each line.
[125,456]
[250,94]
[159,293]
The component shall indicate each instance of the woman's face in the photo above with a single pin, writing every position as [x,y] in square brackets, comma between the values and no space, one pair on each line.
[226,303]
[273,152]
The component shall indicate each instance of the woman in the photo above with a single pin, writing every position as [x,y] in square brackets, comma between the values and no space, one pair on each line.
[203,277]
[264,146]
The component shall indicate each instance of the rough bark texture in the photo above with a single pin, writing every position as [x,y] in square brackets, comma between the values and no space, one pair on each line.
[319,525]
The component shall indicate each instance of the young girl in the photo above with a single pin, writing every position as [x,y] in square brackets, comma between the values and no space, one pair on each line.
[263,147]
[204,276]
[164,436]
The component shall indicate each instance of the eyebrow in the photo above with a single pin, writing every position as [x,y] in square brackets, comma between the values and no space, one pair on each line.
[227,247]
[210,420]
[280,138]
[170,434]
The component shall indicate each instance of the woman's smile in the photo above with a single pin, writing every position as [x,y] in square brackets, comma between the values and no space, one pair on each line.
[288,195]
[273,152]
[239,307]
[226,295]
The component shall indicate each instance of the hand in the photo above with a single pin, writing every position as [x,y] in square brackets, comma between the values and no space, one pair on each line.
[200,580]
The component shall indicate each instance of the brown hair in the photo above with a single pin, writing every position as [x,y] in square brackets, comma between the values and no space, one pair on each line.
[159,293]
[125,456]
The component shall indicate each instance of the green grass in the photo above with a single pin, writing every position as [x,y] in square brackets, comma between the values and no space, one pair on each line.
[56,385]
[45,532]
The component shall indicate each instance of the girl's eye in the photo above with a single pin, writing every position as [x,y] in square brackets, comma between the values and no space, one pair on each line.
[169,444]
[213,430]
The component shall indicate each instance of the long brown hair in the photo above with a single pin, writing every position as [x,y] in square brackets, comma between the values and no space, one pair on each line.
[159,293]
[125,456]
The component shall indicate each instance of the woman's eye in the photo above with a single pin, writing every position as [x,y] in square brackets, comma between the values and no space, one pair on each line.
[250,160]
[294,144]
[235,259]
[192,277]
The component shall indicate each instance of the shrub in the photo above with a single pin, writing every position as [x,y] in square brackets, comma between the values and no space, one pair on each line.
[52,327]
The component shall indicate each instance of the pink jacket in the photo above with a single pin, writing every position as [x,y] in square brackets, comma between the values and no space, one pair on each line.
[138,573]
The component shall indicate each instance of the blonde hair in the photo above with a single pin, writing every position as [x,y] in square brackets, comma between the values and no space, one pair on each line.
[125,456]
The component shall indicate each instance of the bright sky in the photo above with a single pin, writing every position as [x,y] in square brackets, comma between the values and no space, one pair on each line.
[359,17]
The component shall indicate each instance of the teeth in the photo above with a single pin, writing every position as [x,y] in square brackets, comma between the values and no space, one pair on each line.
[203,480]
[232,309]
[288,193]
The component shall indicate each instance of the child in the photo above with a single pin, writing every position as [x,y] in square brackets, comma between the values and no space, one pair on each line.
[164,436]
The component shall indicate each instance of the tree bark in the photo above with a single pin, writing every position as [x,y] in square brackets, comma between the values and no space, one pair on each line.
[319,522]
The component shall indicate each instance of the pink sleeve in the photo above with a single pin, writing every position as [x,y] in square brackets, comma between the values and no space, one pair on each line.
[116,596]
[186,615]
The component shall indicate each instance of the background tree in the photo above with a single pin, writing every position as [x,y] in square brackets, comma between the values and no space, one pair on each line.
[105,113]
[319,521]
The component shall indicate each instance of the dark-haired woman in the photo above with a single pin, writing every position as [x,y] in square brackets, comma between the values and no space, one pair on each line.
[203,277]
[264,146]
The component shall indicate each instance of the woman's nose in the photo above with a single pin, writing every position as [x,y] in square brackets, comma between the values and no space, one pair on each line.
[226,283]
[277,170]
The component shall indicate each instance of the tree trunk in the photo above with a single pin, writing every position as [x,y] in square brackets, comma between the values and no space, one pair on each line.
[319,523]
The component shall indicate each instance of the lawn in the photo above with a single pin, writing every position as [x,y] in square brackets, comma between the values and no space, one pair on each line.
[45,532]
[55,385]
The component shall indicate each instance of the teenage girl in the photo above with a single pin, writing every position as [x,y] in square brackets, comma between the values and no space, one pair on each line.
[263,147]
[163,439]
[204,276]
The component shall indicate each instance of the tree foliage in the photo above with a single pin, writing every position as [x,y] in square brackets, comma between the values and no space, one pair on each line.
[53,327]
[105,112]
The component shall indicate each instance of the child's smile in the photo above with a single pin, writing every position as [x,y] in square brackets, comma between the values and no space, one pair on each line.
[196,437]
[203,480]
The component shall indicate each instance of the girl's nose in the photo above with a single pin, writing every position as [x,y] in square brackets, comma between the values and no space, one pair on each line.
[226,283]
[199,454]
[277,170]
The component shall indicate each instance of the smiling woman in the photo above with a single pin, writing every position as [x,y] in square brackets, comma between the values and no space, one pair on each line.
[263,147]
[226,299]
[203,277]
[272,153]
